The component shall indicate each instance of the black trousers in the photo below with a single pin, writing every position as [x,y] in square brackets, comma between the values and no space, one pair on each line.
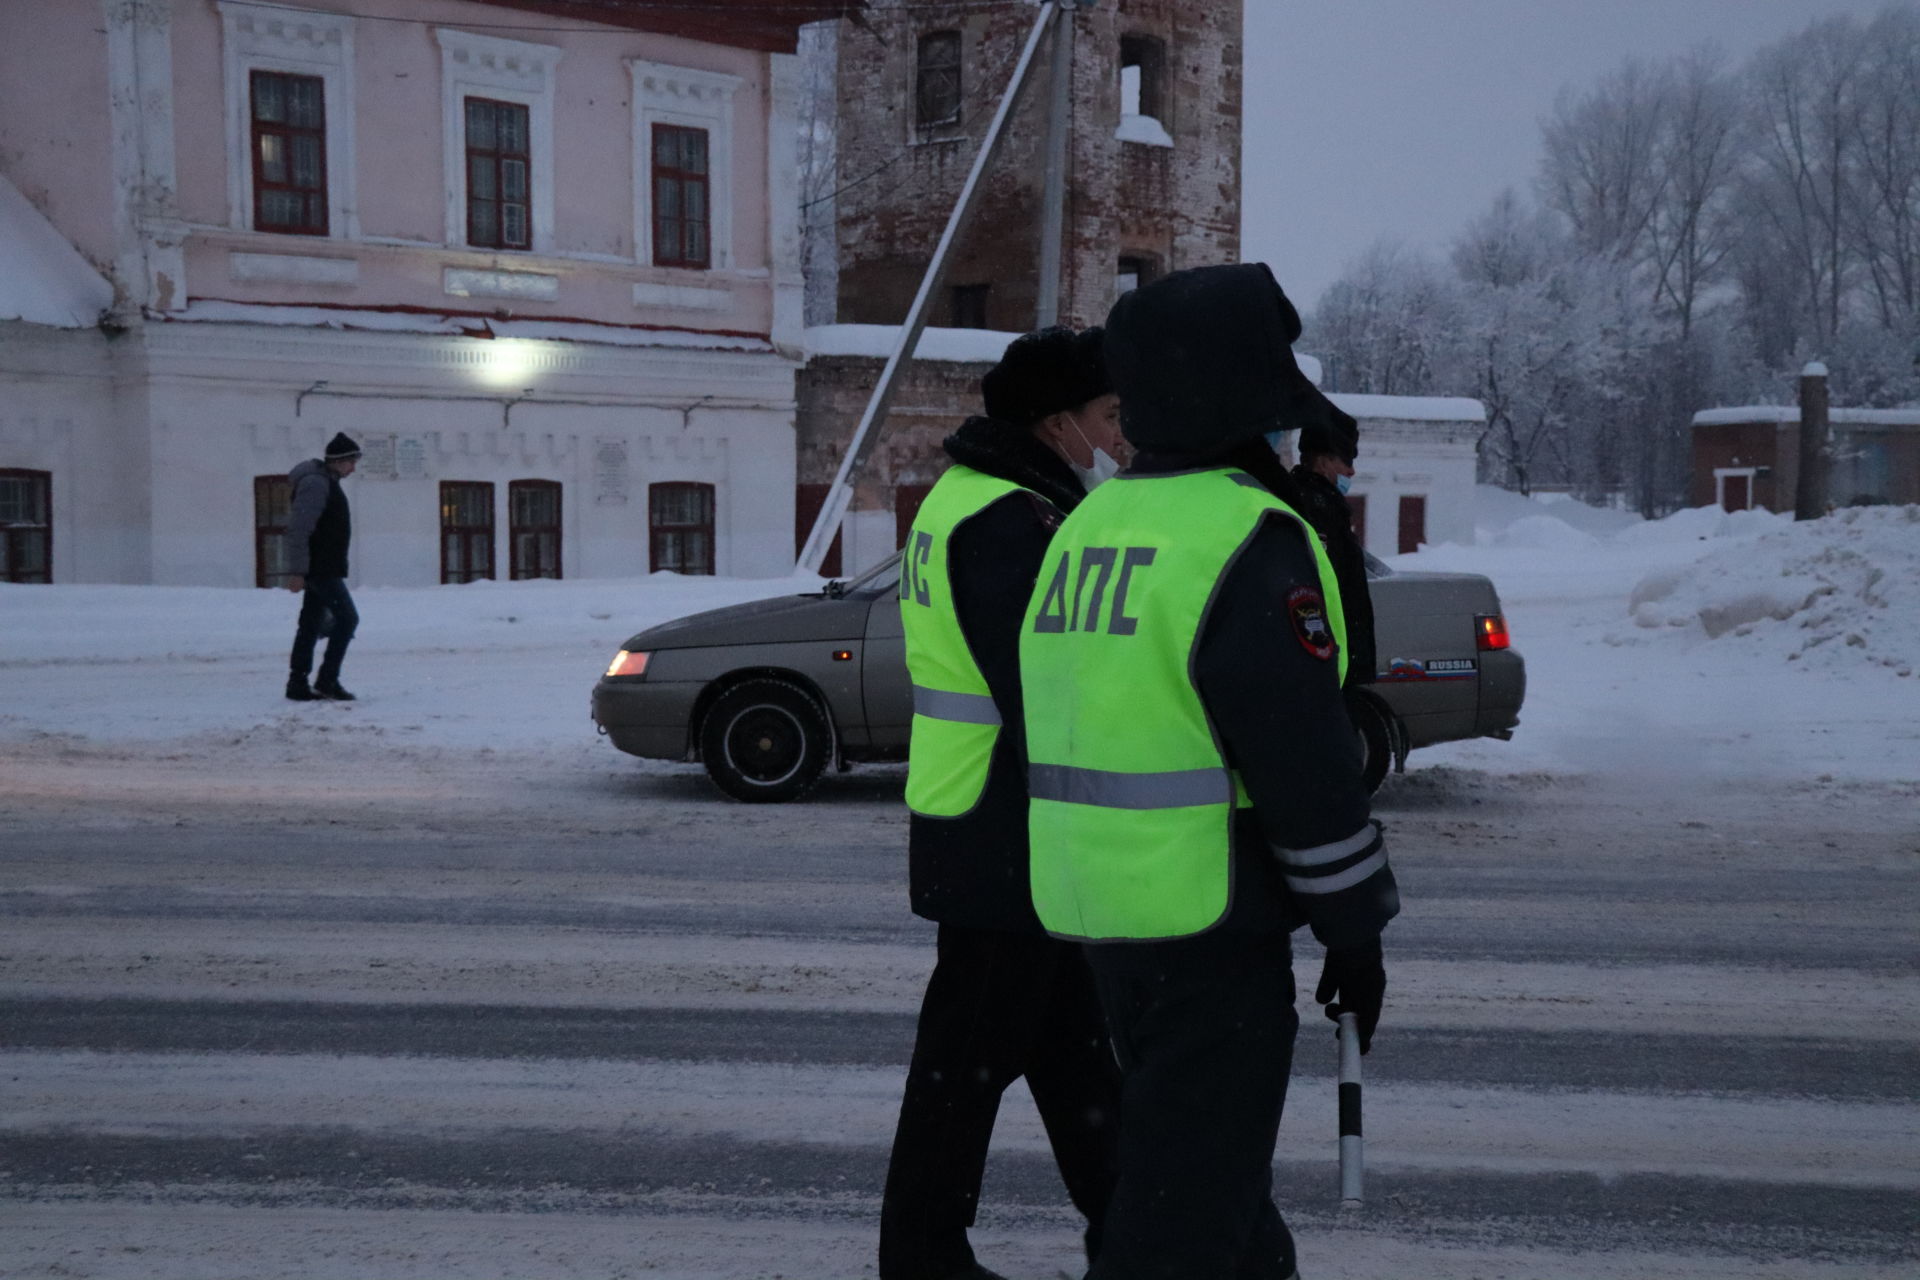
[324,597]
[1204,1029]
[999,1006]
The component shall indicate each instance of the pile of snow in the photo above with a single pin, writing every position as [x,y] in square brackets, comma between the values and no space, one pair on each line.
[1838,592]
[1503,518]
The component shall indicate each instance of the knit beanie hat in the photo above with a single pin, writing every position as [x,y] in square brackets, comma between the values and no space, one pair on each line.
[341,446]
[1044,372]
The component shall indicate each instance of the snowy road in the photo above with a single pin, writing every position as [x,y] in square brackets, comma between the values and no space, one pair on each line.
[558,1015]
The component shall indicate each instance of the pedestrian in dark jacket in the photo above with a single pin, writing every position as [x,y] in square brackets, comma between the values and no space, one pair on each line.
[1329,443]
[1004,1001]
[1186,831]
[319,528]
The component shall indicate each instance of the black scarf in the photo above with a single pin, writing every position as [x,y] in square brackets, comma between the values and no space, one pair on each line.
[1012,453]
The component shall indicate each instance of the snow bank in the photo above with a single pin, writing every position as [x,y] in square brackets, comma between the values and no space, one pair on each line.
[1838,593]
[1504,518]
[877,341]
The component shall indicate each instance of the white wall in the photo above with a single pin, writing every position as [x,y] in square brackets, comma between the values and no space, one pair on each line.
[1430,459]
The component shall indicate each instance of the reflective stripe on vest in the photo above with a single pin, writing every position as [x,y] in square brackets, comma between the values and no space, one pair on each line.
[955,721]
[1131,798]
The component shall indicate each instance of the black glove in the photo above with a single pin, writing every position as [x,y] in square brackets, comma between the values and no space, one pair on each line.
[1354,980]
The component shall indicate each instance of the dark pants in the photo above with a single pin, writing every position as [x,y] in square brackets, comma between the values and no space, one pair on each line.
[1204,1030]
[999,1006]
[324,597]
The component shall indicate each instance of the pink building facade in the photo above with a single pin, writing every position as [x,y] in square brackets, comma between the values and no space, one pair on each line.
[545,270]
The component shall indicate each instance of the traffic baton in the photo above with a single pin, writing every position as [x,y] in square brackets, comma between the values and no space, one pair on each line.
[1353,1163]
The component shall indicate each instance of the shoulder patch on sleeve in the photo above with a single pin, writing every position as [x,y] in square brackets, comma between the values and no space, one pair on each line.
[1308,611]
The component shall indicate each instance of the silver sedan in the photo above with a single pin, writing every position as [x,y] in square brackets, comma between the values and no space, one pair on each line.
[768,695]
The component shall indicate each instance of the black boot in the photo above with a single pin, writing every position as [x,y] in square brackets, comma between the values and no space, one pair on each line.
[297,690]
[330,690]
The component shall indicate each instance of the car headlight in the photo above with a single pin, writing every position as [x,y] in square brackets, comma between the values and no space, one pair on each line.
[629,662]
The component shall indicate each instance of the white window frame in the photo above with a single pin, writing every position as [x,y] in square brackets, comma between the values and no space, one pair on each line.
[301,42]
[665,94]
[507,71]
[1720,477]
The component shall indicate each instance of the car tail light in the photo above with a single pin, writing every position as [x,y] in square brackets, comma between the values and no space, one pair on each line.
[1490,632]
[628,663]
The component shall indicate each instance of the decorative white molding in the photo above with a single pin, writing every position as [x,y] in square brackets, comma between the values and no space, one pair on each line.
[509,71]
[786,94]
[148,262]
[288,268]
[682,297]
[664,94]
[466,282]
[305,42]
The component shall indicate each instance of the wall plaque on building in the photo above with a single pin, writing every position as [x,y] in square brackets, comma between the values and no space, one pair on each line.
[410,458]
[377,458]
[610,481]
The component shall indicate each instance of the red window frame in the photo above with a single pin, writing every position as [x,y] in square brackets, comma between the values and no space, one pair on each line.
[272,508]
[497,192]
[682,219]
[807,501]
[466,530]
[675,542]
[17,534]
[533,546]
[1413,522]
[285,138]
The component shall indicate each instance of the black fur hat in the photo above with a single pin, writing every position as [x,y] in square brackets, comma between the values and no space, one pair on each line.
[1044,372]
[341,446]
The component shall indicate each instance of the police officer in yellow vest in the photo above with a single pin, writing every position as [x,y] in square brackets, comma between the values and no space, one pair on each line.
[1195,782]
[1004,1001]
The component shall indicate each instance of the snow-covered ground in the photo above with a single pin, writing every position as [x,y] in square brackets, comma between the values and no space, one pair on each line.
[1702,645]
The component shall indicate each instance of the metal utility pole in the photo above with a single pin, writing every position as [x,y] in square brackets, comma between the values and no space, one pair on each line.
[864,436]
[1053,198]
[1810,486]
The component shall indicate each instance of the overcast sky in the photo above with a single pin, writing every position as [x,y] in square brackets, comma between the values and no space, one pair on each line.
[1404,118]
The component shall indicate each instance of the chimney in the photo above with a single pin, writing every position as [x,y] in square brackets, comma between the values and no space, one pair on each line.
[1810,490]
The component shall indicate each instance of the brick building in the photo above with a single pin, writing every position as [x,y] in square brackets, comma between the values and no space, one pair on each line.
[901,100]
[1750,457]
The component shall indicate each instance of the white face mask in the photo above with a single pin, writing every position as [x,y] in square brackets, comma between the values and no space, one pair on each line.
[1104,468]
[1343,483]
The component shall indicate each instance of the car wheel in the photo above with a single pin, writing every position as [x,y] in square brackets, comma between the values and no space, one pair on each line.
[765,741]
[1376,740]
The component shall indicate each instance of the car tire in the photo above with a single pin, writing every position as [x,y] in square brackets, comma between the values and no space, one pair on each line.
[765,741]
[1376,739]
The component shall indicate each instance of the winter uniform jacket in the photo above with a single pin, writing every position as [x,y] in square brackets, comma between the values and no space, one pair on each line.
[319,527]
[1274,703]
[1325,508]
[972,870]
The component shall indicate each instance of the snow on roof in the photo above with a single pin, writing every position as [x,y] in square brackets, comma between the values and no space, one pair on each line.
[1411,408]
[1783,413]
[970,346]
[46,281]
[213,311]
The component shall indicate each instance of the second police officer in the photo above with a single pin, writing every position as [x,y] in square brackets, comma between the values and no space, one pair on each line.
[1195,781]
[1004,1001]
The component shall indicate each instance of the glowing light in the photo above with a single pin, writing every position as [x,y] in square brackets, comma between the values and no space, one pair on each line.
[506,362]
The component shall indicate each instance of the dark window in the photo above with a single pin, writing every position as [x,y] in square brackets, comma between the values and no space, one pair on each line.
[1142,63]
[936,82]
[681,219]
[272,501]
[466,530]
[906,505]
[289,153]
[499,175]
[681,515]
[969,306]
[533,528]
[1132,272]
[1413,522]
[807,501]
[26,526]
